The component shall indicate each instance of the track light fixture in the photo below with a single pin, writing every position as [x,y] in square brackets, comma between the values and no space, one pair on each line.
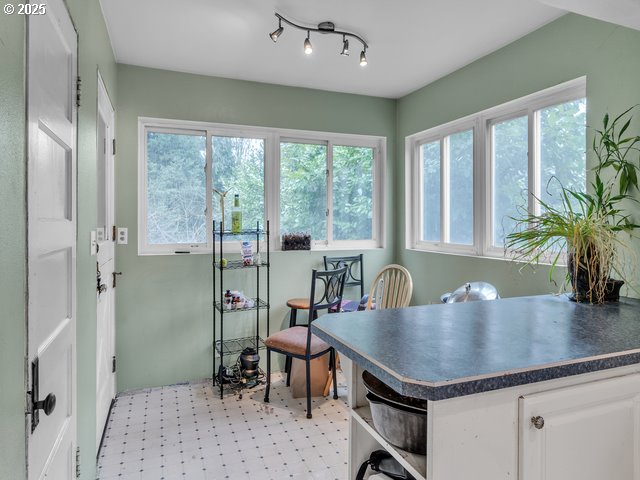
[345,47]
[363,57]
[276,33]
[307,44]
[323,27]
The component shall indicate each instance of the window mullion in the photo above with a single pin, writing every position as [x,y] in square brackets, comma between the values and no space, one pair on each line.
[489,139]
[534,163]
[329,200]
[272,188]
[208,168]
[445,193]
[480,187]
[419,194]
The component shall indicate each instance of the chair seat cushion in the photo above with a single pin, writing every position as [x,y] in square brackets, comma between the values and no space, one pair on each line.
[299,303]
[294,340]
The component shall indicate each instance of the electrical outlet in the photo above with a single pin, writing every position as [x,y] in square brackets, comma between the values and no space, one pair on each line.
[123,236]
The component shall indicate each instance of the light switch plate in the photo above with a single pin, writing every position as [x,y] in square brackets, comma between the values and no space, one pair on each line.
[94,243]
[123,236]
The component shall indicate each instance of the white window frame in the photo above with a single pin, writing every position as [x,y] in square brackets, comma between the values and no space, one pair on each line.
[272,138]
[144,247]
[378,145]
[440,134]
[481,122]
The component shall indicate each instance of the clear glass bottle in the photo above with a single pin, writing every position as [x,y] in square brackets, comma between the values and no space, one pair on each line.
[236,215]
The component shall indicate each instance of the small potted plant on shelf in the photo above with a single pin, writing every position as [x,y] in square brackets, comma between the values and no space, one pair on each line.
[588,227]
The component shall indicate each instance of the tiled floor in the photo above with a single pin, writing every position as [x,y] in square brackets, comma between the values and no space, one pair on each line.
[187,432]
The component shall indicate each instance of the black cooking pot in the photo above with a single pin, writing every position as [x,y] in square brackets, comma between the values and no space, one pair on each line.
[249,360]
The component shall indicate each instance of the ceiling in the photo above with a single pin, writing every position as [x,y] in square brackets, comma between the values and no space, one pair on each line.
[411,42]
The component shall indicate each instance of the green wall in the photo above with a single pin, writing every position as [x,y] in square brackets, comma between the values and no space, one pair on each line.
[567,48]
[13,236]
[94,53]
[164,302]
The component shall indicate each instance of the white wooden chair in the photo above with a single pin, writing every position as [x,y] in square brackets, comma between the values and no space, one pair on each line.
[392,288]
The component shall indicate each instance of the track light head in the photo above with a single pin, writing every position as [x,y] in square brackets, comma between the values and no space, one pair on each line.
[345,47]
[363,58]
[276,33]
[307,44]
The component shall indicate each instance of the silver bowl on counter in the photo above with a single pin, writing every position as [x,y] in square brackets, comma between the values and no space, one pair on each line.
[471,292]
[400,420]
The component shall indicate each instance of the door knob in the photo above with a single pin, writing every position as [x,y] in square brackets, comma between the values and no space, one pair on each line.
[537,422]
[48,405]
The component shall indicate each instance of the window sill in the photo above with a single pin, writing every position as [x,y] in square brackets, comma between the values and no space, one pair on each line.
[484,257]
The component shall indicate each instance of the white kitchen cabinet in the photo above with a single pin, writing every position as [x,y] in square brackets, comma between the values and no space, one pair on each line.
[584,432]
[487,368]
[591,431]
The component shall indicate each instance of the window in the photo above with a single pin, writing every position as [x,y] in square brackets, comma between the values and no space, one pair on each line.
[176,187]
[353,193]
[468,178]
[324,184]
[447,189]
[510,174]
[303,188]
[328,191]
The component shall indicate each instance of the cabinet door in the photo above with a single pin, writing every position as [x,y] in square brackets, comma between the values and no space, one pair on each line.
[584,432]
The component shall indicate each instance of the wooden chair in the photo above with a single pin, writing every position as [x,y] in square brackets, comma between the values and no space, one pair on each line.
[392,288]
[299,342]
[355,275]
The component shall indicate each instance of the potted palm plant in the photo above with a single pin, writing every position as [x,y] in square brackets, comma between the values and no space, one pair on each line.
[587,226]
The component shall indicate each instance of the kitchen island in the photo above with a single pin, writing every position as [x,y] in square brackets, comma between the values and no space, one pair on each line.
[486,370]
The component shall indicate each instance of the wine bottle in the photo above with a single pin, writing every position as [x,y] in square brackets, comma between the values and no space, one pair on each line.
[236,215]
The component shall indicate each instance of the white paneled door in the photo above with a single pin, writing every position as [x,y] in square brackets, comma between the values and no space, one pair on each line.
[584,432]
[51,310]
[105,263]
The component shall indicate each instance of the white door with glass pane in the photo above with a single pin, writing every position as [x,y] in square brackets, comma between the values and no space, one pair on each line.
[105,262]
[51,283]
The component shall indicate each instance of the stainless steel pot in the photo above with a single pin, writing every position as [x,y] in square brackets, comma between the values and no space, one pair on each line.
[472,292]
[400,420]
[402,427]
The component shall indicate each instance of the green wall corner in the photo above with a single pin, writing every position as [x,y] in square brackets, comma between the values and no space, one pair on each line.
[568,48]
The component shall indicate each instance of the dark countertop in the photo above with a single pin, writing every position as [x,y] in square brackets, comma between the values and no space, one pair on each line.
[449,350]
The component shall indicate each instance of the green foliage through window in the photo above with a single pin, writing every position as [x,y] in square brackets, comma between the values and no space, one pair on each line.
[304,205]
[303,189]
[238,168]
[176,188]
[326,189]
[352,193]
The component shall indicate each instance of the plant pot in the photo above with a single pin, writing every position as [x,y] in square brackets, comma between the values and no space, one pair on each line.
[585,288]
[612,293]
